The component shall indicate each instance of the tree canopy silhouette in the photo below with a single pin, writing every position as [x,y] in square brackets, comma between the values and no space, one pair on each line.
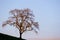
[22,19]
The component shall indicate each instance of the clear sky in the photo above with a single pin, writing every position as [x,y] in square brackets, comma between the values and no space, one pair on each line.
[47,13]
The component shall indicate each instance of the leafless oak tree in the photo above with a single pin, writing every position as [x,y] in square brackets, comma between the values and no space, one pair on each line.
[22,19]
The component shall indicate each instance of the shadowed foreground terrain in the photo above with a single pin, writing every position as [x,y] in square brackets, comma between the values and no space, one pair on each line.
[7,37]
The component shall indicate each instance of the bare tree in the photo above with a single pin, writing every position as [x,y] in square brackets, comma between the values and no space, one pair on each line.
[22,19]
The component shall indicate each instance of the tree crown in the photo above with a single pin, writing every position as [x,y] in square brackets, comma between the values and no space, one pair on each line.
[22,19]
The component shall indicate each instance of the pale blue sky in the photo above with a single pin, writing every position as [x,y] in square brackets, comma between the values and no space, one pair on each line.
[47,13]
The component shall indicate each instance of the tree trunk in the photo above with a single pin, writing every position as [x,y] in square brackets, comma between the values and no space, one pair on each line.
[21,37]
